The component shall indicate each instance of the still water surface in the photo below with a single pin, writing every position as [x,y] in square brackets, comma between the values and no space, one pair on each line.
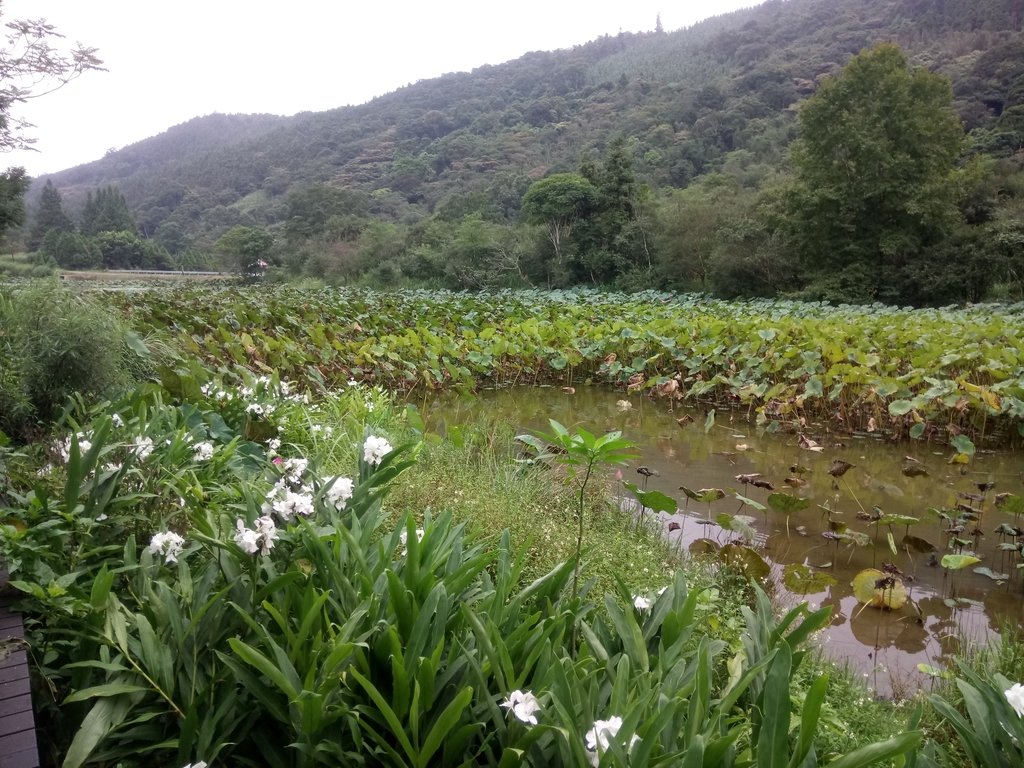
[884,646]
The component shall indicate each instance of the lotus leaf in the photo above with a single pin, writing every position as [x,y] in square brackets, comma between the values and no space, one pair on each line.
[958,562]
[803,580]
[879,590]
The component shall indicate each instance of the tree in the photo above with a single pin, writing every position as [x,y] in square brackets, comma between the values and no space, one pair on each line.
[49,216]
[30,62]
[13,185]
[558,202]
[106,211]
[876,180]
[30,66]
[247,247]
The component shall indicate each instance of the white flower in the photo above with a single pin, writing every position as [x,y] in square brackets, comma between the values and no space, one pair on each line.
[247,539]
[641,603]
[599,737]
[315,429]
[273,445]
[524,705]
[203,451]
[200,764]
[143,448]
[1015,695]
[403,537]
[375,449]
[117,421]
[340,492]
[294,469]
[293,504]
[262,539]
[168,544]
[112,467]
[254,409]
[353,383]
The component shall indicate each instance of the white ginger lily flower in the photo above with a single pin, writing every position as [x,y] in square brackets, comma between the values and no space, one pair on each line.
[1015,695]
[375,449]
[167,543]
[340,492]
[203,451]
[403,537]
[524,705]
[600,736]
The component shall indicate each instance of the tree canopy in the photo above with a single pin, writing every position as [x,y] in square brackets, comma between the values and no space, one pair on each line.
[876,173]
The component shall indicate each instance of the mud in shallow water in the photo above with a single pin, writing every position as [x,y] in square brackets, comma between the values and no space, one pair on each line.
[946,611]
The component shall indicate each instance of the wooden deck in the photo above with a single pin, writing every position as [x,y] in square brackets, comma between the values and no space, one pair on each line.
[17,724]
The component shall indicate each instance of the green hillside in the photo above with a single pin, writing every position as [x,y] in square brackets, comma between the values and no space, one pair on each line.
[408,183]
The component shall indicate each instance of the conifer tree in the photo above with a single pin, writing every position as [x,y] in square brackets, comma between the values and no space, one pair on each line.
[49,216]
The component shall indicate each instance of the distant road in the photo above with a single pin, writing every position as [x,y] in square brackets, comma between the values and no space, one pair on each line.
[114,274]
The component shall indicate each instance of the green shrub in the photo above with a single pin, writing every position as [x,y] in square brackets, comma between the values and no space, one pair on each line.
[55,344]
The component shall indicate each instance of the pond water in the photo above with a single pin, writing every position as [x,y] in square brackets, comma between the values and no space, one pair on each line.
[946,611]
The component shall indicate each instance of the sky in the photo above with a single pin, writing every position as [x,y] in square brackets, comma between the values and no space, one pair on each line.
[169,61]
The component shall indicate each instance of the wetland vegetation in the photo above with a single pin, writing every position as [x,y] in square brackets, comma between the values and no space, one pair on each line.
[268,537]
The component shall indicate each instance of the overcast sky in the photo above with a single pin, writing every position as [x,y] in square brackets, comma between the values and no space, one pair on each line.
[170,61]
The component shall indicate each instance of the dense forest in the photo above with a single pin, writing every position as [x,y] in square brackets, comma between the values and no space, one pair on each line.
[853,150]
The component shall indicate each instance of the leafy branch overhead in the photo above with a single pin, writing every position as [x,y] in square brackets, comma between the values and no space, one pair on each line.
[32,64]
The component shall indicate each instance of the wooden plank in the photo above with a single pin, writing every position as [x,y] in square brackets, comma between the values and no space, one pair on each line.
[26,759]
[14,688]
[16,657]
[17,672]
[22,741]
[17,722]
[15,705]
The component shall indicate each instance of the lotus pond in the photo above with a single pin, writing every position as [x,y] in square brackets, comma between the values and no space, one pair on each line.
[895,515]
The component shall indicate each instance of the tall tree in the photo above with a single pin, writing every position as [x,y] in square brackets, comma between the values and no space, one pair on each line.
[876,176]
[106,211]
[49,215]
[13,185]
[558,202]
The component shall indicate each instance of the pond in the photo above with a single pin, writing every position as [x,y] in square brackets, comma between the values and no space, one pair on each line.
[897,650]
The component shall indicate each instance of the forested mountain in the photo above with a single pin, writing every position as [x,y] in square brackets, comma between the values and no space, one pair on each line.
[702,116]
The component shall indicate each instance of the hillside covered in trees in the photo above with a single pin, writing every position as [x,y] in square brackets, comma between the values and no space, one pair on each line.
[683,159]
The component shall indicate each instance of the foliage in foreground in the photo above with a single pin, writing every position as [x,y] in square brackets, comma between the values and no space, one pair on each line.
[195,596]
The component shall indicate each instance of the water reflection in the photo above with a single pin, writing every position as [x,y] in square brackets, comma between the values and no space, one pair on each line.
[946,610]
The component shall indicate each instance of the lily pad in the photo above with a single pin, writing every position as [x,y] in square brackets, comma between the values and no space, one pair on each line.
[879,590]
[802,579]
[984,571]
[917,544]
[746,560]
[786,503]
[703,547]
[958,562]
